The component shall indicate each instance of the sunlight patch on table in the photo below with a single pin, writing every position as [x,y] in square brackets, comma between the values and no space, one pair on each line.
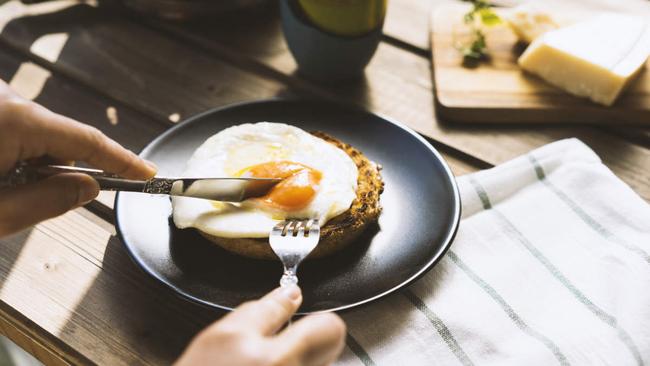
[348,358]
[29,80]
[59,261]
[174,117]
[50,46]
[14,9]
[111,115]
[106,198]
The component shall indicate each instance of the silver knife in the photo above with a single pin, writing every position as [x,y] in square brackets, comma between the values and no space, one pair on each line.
[216,189]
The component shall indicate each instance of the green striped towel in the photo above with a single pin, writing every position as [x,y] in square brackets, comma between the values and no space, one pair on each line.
[551,266]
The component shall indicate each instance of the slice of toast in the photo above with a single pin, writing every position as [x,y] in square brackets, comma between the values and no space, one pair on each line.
[338,232]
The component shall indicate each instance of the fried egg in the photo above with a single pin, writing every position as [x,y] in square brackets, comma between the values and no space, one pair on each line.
[319,180]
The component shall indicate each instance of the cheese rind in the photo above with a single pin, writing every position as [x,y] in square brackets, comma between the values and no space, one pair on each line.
[596,58]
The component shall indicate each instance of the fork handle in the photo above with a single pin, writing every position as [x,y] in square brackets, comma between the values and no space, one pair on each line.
[289,277]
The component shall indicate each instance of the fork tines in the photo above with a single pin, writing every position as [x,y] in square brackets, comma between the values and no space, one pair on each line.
[296,227]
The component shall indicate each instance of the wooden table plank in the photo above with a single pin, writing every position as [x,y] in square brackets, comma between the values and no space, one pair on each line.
[15,330]
[84,105]
[74,280]
[408,20]
[129,62]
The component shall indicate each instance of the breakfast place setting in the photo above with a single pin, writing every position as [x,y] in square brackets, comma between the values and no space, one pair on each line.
[324,182]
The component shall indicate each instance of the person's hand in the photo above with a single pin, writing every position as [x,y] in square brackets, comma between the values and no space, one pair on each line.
[249,336]
[29,131]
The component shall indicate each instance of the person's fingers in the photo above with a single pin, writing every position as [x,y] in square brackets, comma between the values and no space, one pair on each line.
[48,160]
[26,205]
[41,132]
[266,315]
[81,142]
[312,341]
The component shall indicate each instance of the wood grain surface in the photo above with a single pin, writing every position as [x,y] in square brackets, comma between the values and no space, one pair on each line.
[69,293]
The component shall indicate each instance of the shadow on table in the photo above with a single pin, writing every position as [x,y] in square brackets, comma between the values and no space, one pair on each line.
[140,313]
[11,248]
[137,62]
[253,31]
[59,95]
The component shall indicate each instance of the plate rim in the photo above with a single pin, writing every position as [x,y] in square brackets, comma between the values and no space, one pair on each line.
[447,242]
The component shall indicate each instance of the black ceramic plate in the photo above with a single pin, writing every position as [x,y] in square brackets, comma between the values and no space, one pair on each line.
[421,211]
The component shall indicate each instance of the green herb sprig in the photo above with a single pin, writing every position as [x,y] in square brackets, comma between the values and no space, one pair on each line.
[481,15]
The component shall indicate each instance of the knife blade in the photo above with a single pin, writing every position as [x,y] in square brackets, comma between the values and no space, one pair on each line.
[216,189]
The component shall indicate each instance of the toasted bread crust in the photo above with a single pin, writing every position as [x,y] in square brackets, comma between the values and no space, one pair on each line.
[338,232]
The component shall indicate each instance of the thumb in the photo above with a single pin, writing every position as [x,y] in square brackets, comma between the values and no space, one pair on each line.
[24,206]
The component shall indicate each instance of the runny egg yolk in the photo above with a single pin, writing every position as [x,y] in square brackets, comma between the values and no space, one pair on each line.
[297,188]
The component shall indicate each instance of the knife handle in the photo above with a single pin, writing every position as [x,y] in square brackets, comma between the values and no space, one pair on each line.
[229,190]
[23,174]
[120,184]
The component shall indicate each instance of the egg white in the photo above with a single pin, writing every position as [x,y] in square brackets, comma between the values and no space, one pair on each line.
[234,149]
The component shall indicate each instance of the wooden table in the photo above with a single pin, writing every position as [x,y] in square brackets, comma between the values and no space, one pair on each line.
[68,291]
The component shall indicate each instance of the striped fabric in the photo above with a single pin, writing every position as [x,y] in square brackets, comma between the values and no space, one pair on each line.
[551,266]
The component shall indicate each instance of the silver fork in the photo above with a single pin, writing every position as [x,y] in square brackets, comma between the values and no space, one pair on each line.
[292,241]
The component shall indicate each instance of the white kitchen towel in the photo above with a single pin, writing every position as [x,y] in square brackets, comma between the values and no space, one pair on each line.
[551,265]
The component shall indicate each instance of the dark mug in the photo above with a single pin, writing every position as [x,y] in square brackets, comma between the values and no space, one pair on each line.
[332,40]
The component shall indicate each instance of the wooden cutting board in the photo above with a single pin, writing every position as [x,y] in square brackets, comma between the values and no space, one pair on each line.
[498,91]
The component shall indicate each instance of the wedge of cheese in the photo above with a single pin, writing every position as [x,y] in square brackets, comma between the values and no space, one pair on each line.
[596,58]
